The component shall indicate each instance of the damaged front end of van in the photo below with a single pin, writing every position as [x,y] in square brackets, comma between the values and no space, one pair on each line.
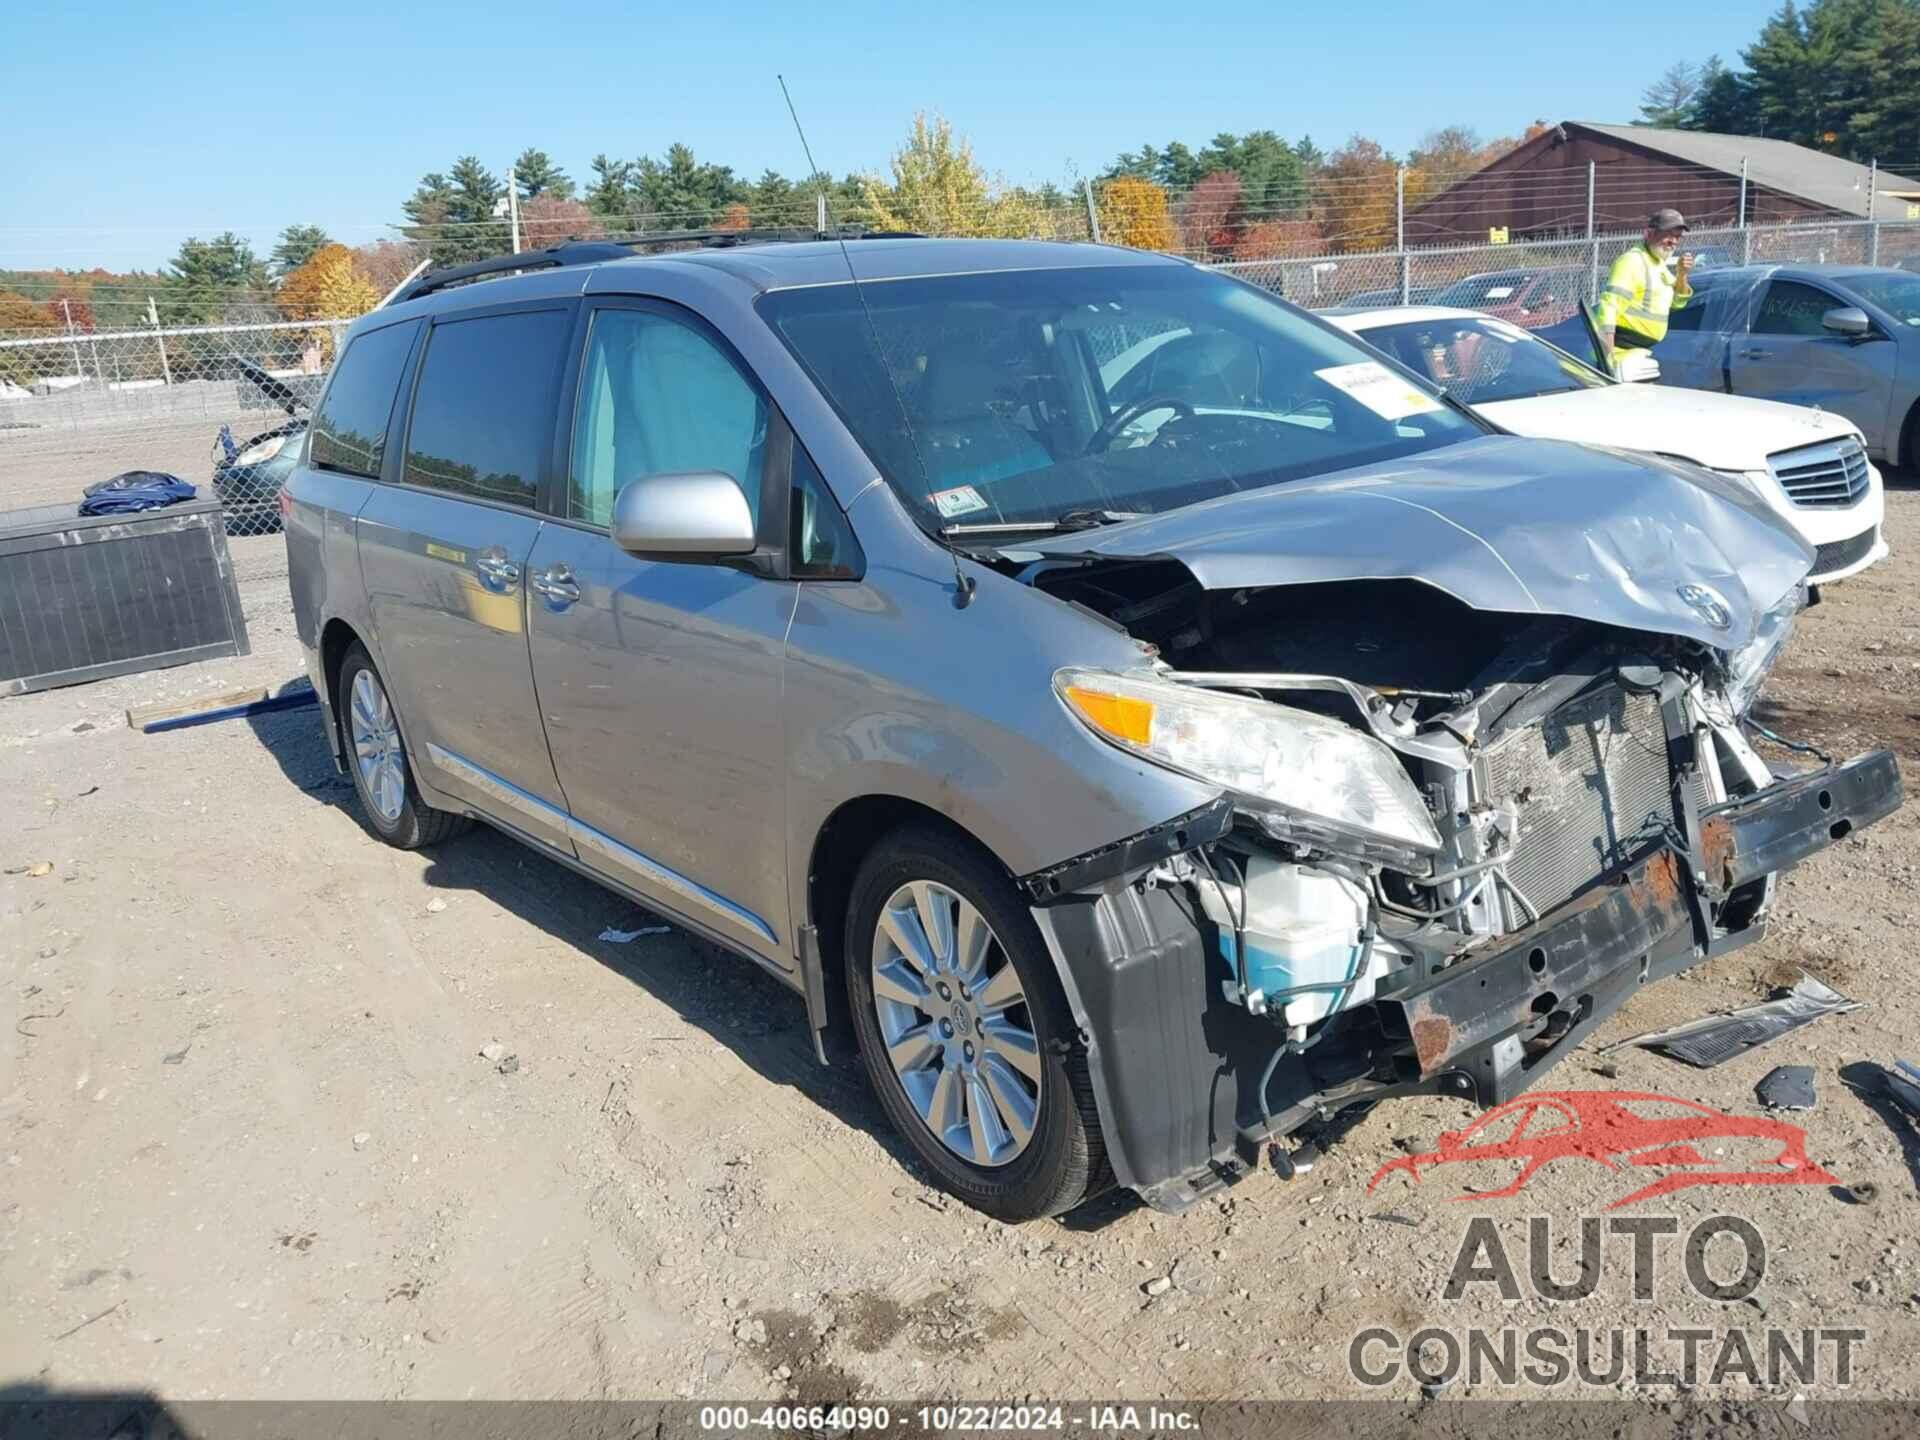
[1483,772]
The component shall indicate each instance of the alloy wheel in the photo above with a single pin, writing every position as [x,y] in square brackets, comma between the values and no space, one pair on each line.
[376,747]
[955,1020]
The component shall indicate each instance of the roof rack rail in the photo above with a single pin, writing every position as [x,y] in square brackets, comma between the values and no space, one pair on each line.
[588,252]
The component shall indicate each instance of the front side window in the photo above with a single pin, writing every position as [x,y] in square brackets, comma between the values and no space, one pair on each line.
[1019,397]
[658,397]
[483,408]
[1898,295]
[350,428]
[1483,361]
[1793,309]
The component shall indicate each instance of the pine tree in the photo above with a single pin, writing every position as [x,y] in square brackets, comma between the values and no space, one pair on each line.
[1776,75]
[213,280]
[297,246]
[534,173]
[1666,103]
[611,194]
[1722,102]
[1887,122]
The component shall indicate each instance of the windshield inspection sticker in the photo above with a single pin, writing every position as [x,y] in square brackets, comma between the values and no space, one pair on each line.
[1379,389]
[961,500]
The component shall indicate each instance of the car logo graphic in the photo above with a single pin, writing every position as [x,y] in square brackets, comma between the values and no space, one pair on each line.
[1707,604]
[1663,1134]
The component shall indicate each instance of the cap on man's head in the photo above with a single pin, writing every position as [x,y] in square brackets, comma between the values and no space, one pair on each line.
[1668,219]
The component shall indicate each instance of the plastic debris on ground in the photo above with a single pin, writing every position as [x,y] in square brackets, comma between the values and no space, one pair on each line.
[627,937]
[1706,1043]
[135,490]
[1787,1087]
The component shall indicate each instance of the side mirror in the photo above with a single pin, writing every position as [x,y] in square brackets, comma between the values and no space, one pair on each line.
[1848,320]
[695,514]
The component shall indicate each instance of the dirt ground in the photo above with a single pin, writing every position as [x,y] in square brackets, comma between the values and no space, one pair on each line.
[250,1145]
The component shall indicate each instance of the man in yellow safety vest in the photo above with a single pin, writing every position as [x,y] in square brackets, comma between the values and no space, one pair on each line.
[1641,290]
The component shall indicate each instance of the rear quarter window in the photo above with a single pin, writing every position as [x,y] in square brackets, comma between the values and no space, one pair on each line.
[483,407]
[350,428]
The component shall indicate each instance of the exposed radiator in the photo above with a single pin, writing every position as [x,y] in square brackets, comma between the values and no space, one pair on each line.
[1585,783]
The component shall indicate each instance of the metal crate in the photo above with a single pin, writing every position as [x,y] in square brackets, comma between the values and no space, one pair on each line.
[87,597]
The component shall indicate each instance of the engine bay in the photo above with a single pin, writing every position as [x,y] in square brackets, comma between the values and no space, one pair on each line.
[1549,752]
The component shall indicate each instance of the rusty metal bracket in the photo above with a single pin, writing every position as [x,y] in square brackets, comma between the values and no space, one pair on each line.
[1785,823]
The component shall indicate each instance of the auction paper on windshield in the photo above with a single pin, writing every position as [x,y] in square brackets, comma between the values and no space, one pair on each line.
[1379,389]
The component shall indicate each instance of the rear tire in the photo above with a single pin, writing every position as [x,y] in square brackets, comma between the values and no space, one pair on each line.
[979,1047]
[377,760]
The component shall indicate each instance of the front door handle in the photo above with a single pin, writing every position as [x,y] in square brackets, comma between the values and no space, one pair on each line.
[556,586]
[496,571]
[1755,354]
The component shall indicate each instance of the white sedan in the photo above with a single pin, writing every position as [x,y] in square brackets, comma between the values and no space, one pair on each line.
[1810,466]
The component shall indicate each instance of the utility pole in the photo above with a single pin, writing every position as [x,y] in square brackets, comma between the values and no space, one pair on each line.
[1593,240]
[820,212]
[1873,225]
[1400,232]
[153,319]
[1093,216]
[1746,240]
[72,344]
[513,205]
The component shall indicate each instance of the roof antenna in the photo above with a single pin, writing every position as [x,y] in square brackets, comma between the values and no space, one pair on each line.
[963,583]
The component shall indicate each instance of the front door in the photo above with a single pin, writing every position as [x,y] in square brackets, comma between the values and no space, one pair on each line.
[444,558]
[1789,355]
[660,681]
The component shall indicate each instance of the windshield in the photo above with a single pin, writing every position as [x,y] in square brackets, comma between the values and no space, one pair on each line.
[1898,295]
[1481,361]
[1024,396]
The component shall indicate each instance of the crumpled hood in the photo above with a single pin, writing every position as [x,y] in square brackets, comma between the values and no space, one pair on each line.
[1499,523]
[1723,432]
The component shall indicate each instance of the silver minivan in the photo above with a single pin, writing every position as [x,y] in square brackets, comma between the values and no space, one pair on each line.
[1140,721]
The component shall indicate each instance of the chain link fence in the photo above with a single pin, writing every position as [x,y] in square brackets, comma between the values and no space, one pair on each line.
[208,403]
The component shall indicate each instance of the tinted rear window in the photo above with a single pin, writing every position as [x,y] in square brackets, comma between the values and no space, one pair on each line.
[483,410]
[350,428]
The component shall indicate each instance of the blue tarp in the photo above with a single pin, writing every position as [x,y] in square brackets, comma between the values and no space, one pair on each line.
[135,490]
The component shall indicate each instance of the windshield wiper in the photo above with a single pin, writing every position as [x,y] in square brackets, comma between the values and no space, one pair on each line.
[1066,521]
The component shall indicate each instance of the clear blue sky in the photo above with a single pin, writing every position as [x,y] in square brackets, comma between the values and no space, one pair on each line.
[130,125]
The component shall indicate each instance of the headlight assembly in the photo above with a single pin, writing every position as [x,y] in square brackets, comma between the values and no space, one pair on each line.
[261,451]
[1747,668]
[1303,777]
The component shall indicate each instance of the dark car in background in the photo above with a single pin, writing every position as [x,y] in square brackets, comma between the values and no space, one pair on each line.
[1845,338]
[248,474]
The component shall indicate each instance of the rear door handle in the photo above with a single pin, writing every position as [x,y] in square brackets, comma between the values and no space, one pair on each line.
[496,571]
[1755,354]
[556,586]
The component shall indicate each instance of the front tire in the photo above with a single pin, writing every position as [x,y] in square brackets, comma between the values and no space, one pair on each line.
[377,760]
[965,1031]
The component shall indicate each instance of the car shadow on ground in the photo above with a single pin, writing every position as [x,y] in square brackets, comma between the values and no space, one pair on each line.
[728,998]
[1868,1082]
[1899,479]
[50,1413]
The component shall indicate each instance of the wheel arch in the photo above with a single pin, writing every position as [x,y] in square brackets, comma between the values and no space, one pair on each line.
[1907,449]
[843,841]
[336,638]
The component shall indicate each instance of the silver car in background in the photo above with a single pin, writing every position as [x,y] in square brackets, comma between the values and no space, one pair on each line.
[1845,338]
[1138,719]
